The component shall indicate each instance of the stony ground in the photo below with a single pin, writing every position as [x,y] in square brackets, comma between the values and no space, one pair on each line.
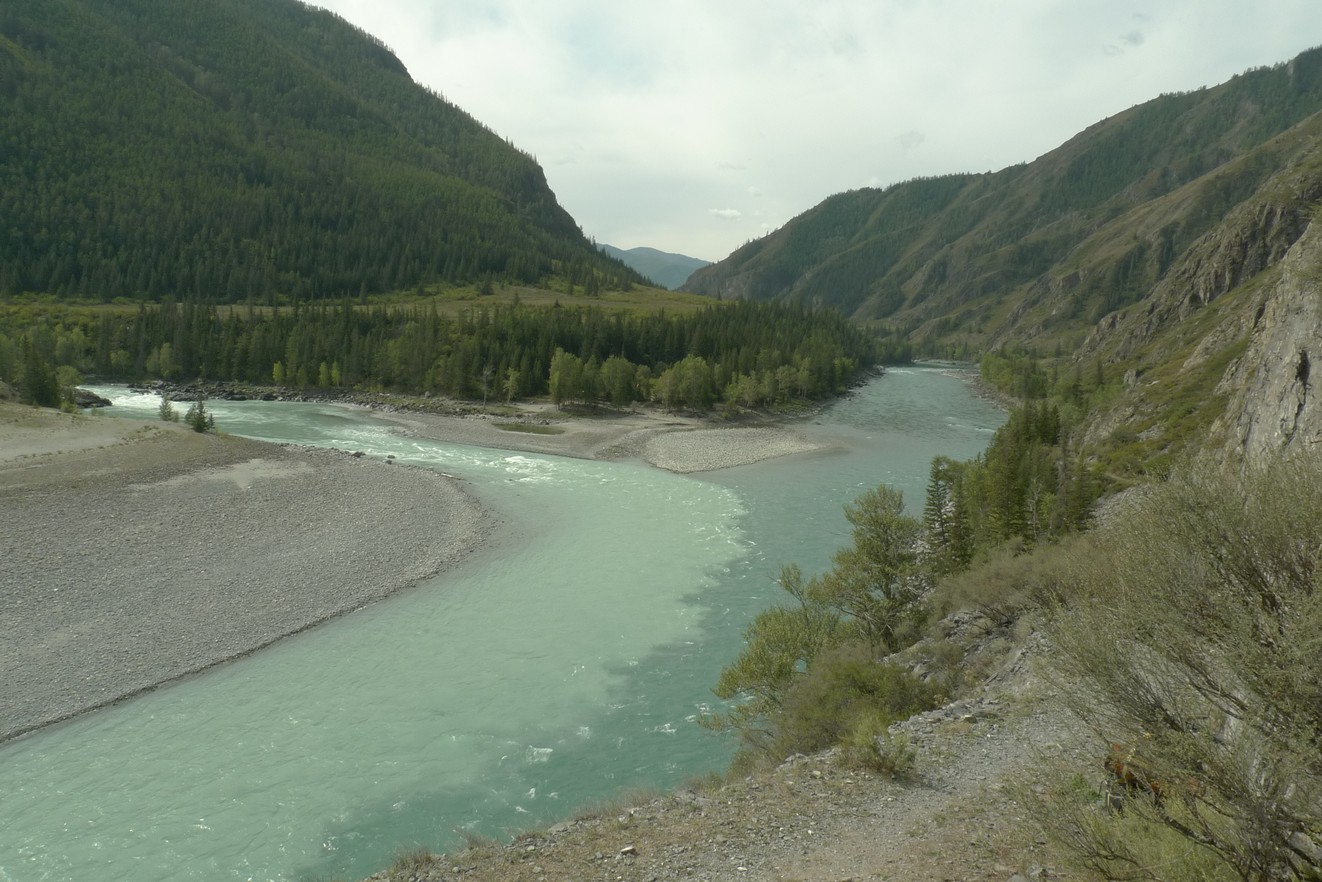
[133,553]
[956,816]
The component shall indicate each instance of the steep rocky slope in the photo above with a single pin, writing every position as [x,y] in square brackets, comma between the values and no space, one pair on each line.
[1231,330]
[1270,403]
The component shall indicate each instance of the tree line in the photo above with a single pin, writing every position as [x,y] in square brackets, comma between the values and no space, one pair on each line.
[744,354]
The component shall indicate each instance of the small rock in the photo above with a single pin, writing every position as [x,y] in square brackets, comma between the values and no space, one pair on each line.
[629,851]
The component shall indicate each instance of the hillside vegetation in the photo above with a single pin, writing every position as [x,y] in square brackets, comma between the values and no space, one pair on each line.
[1147,292]
[741,355]
[1149,296]
[1036,253]
[251,149]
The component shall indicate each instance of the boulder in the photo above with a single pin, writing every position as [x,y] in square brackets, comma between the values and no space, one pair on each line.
[84,398]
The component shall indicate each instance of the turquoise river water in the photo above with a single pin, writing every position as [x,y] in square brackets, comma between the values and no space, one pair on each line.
[566,663]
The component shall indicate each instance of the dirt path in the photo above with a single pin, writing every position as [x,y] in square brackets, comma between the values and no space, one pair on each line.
[959,820]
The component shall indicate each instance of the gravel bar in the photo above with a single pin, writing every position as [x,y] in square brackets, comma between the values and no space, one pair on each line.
[163,552]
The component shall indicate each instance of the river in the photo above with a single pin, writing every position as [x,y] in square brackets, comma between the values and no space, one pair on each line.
[566,663]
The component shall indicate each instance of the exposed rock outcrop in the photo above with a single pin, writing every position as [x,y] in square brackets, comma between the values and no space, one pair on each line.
[84,398]
[1272,405]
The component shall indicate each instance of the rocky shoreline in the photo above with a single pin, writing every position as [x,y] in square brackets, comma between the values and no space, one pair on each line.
[956,815]
[136,553]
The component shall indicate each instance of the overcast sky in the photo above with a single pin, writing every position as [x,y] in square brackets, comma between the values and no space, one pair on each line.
[694,126]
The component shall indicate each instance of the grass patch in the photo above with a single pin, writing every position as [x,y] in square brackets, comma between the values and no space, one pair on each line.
[530,428]
[417,861]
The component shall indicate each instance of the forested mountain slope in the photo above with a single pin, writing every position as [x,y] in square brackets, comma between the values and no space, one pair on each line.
[241,149]
[1038,253]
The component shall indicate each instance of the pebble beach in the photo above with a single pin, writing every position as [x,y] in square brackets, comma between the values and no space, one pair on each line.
[133,553]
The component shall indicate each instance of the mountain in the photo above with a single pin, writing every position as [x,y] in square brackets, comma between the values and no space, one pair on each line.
[1039,251]
[247,149]
[1163,259]
[666,269]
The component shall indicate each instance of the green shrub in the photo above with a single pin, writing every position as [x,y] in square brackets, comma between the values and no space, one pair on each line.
[870,745]
[1191,637]
[1009,581]
[1131,844]
[413,862]
[842,686]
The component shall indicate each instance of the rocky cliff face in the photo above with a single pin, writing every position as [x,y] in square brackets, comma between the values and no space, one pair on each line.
[1271,403]
[1232,329]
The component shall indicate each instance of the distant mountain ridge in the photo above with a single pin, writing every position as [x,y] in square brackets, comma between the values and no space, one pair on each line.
[249,148]
[666,269]
[975,256]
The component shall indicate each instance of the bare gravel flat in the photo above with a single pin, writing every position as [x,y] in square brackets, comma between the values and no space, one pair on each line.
[676,443]
[133,553]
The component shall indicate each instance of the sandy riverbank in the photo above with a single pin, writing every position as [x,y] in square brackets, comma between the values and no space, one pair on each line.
[668,441]
[133,553]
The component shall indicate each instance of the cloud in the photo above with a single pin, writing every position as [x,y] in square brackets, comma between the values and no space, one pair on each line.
[682,103]
[910,140]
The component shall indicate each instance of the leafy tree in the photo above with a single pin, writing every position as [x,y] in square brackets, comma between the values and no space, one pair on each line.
[484,380]
[617,380]
[778,646]
[876,582]
[566,381]
[790,674]
[512,378]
